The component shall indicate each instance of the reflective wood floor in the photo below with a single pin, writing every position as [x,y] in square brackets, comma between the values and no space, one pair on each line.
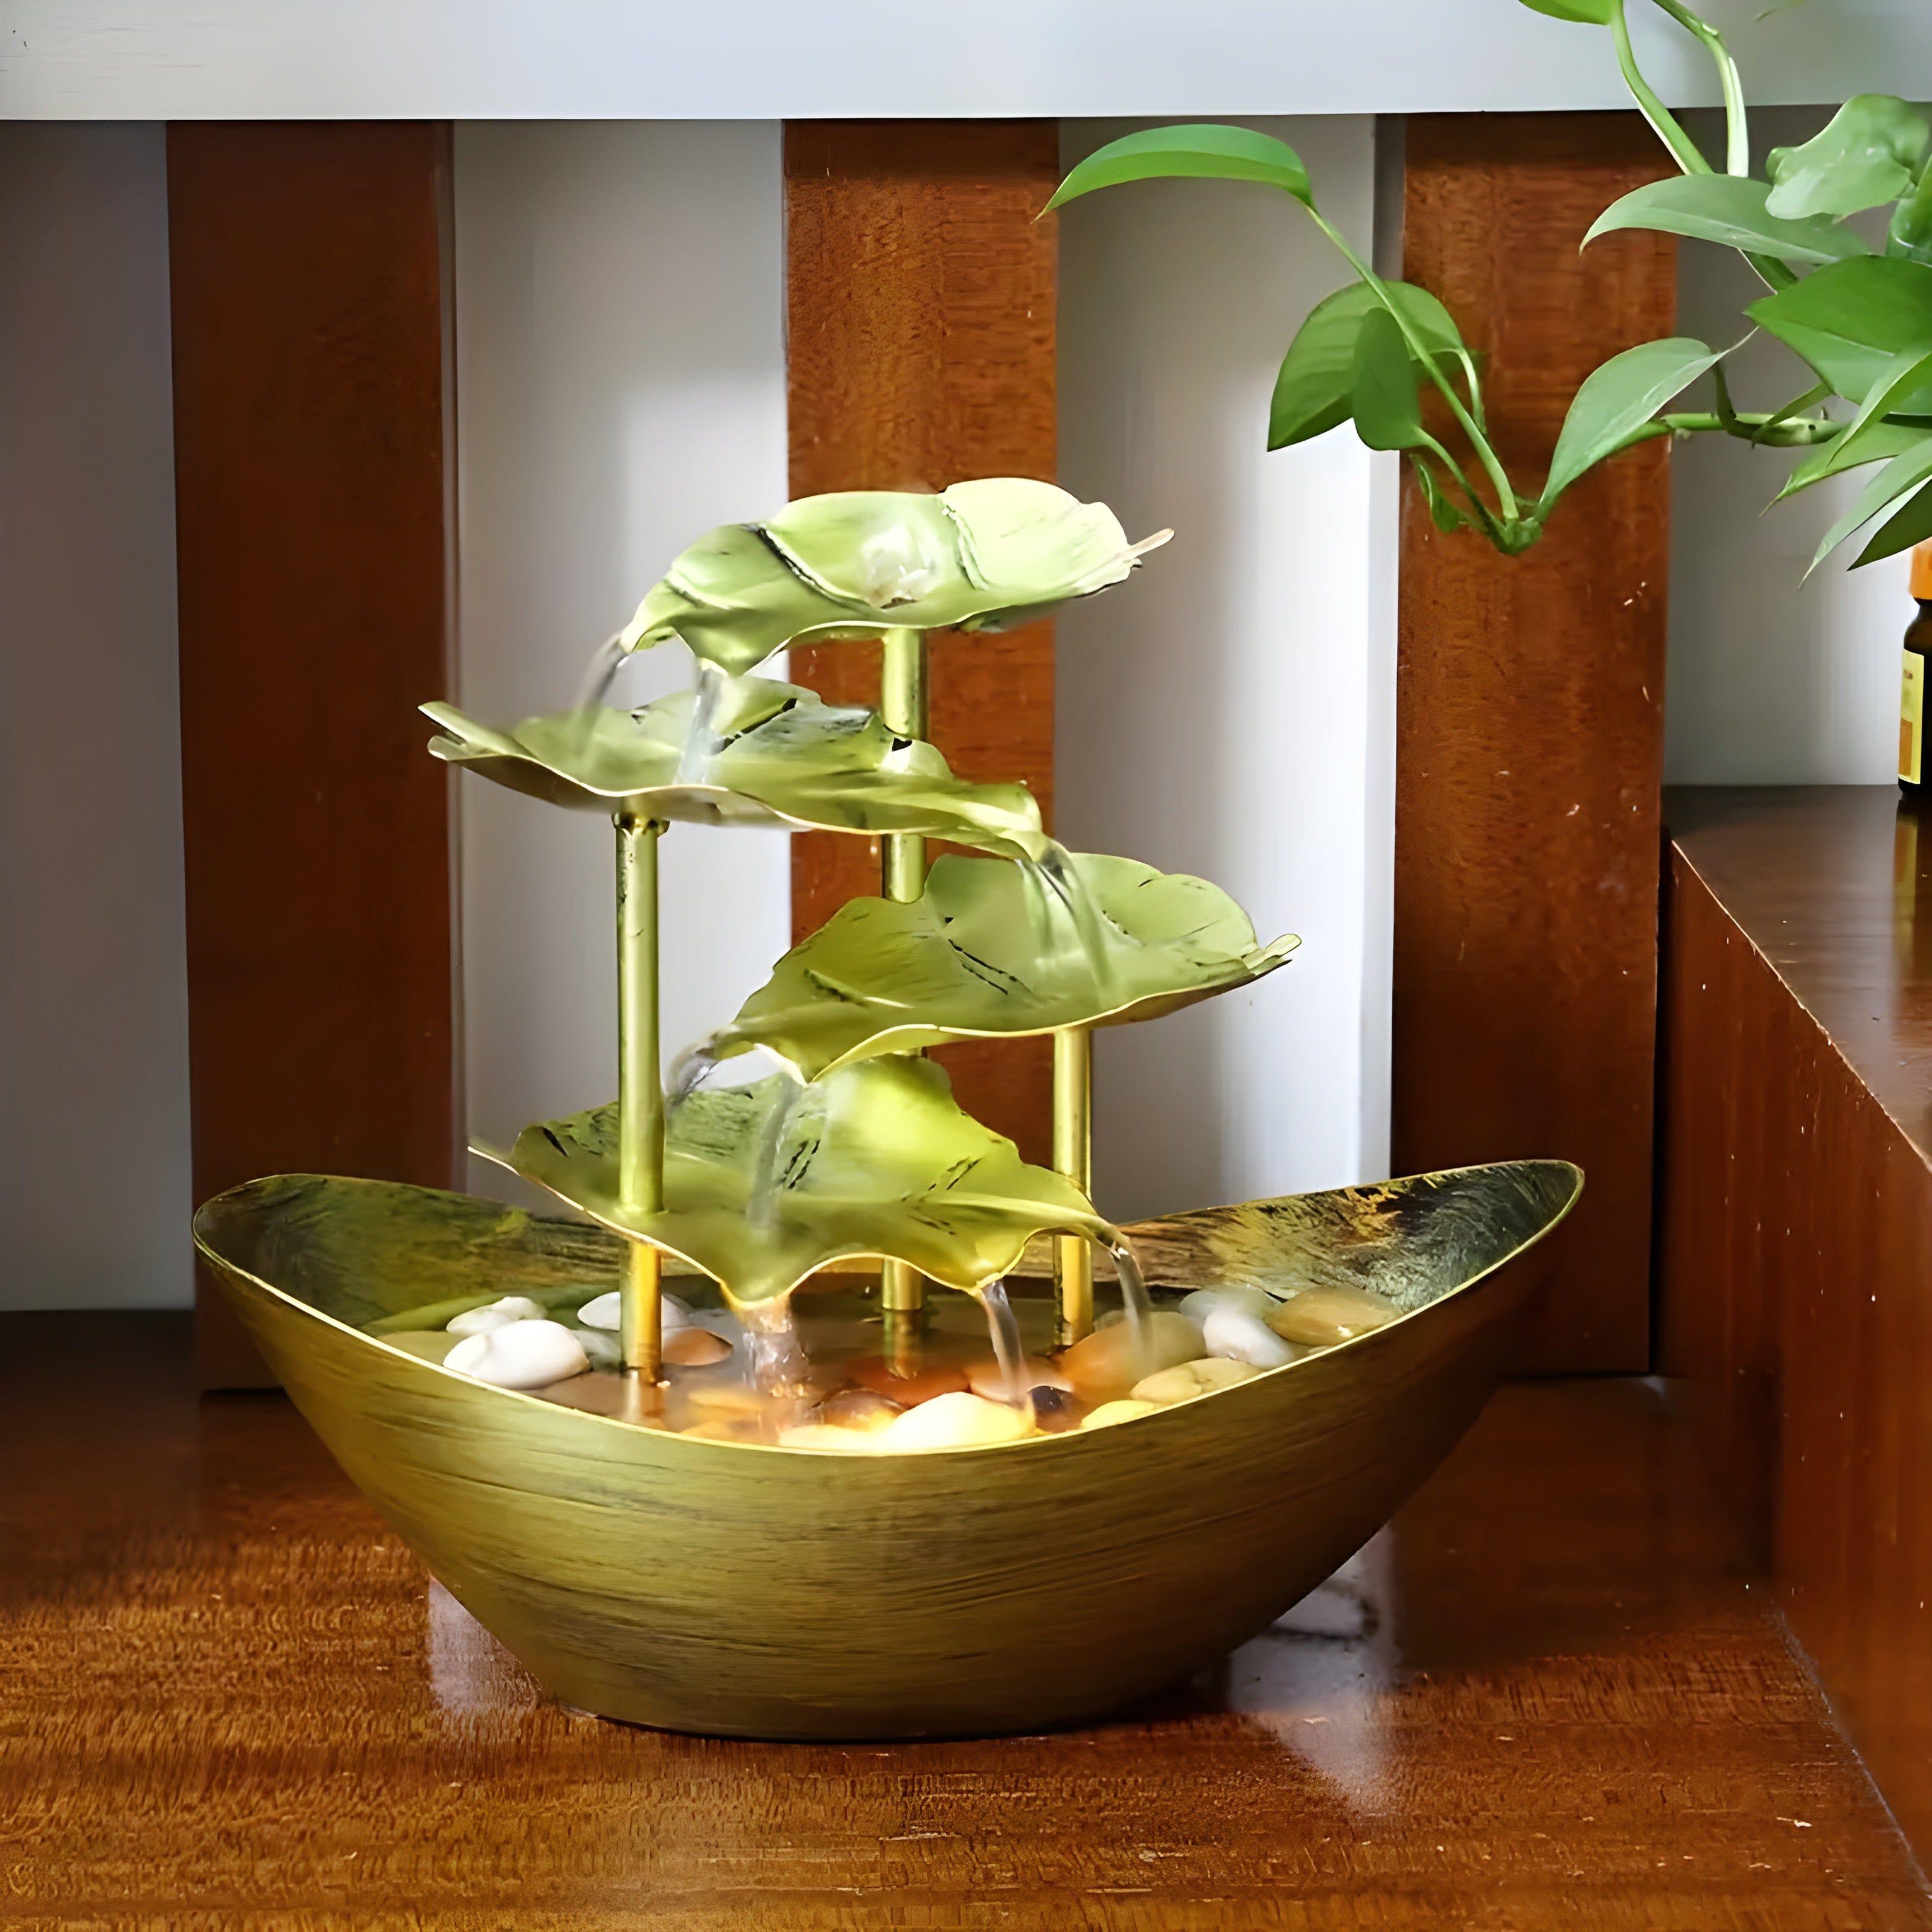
[1547,1697]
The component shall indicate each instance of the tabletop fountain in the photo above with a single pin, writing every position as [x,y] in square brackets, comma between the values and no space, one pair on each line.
[917,1442]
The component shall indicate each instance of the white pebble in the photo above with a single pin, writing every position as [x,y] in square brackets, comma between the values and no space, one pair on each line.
[601,1348]
[1203,1302]
[606,1312]
[481,1321]
[519,1355]
[1239,1337]
[955,1421]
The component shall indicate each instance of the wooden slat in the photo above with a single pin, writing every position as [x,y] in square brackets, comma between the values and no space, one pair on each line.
[1795,1223]
[1529,723]
[921,333]
[311,325]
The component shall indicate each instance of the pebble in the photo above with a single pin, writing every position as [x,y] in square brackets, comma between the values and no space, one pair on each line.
[858,1409]
[605,1311]
[694,1349]
[1189,1379]
[519,1355]
[727,1429]
[1107,1363]
[727,1393]
[602,1349]
[498,1315]
[986,1378]
[875,1373]
[1318,1317]
[1203,1302]
[1053,1410]
[1125,1410]
[825,1435]
[956,1420]
[1239,1337]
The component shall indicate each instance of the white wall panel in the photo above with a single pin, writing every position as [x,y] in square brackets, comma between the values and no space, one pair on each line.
[1226,713]
[94,1181]
[1773,680]
[620,390]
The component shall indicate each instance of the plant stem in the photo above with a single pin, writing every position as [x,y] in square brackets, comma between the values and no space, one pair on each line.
[1669,130]
[1753,426]
[1478,442]
[1737,128]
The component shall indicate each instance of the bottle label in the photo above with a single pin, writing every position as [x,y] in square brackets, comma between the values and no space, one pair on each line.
[1912,718]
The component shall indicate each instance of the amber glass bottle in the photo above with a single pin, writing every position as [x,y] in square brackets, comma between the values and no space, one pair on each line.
[1914,768]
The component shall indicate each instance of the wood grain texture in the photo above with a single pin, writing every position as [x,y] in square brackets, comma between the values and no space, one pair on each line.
[310,286]
[1546,1699]
[920,308]
[1796,1239]
[1529,725]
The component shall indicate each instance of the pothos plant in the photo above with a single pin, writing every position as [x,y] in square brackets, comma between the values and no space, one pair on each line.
[1860,320]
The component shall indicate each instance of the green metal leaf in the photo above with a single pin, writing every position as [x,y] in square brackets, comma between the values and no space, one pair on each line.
[1904,528]
[1199,150]
[1313,392]
[983,556]
[1864,157]
[875,1161]
[1618,399]
[1383,385]
[1729,209]
[773,753]
[1852,321]
[991,951]
[1903,472]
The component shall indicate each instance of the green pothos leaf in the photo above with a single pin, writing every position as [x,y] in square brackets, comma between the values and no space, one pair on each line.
[1208,150]
[1616,401]
[1731,210]
[1314,391]
[1863,157]
[1901,530]
[1383,385]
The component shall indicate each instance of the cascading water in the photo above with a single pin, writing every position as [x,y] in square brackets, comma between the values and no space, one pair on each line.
[702,741]
[1004,1328]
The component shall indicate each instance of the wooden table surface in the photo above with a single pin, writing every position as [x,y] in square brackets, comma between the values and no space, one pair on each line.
[1549,1696]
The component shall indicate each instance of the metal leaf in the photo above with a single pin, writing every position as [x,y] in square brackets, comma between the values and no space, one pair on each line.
[877,1161]
[991,951]
[982,556]
[775,754]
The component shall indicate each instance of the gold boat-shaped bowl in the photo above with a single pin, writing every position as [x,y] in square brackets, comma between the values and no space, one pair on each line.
[735,1589]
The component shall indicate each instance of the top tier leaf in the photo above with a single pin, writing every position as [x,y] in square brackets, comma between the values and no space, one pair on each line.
[981,555]
[772,754]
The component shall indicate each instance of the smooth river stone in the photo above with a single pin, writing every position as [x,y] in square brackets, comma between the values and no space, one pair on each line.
[727,1429]
[875,1373]
[1238,1335]
[521,1355]
[694,1349]
[1189,1379]
[1203,1302]
[986,1378]
[825,1435]
[1318,1317]
[1054,1411]
[1107,1363]
[498,1315]
[857,1408]
[1124,1410]
[606,1312]
[958,1421]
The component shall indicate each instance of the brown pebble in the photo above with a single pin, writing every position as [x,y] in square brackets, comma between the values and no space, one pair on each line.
[1054,1411]
[695,1348]
[857,1409]
[1318,1317]
[1108,1363]
[875,1373]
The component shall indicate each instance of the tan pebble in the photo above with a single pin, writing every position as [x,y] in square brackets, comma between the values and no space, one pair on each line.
[956,1420]
[1108,1363]
[1186,1380]
[1125,1410]
[875,1373]
[1318,1317]
[985,1377]
[725,1393]
[824,1435]
[694,1349]
[727,1429]
[857,1408]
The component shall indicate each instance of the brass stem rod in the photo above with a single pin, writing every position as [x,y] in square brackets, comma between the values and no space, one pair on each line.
[640,1107]
[902,708]
[1073,1157]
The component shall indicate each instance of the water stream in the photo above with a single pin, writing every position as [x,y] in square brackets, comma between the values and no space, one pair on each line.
[702,739]
[1003,1325]
[1135,1301]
